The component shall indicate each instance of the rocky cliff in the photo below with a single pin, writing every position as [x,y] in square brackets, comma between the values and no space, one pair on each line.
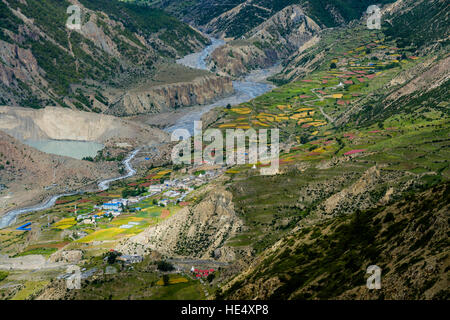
[199,231]
[64,124]
[43,62]
[273,40]
[155,99]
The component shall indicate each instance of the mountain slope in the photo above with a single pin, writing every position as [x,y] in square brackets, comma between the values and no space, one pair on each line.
[345,199]
[419,23]
[270,42]
[266,32]
[45,63]
[235,18]
[407,240]
[403,22]
[25,172]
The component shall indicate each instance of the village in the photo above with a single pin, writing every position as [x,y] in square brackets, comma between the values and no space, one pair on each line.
[169,192]
[305,110]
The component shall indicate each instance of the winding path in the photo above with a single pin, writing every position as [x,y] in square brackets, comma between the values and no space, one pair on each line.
[320,98]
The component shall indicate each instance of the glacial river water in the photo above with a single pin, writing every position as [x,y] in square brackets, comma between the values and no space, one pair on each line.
[252,86]
[73,149]
[11,216]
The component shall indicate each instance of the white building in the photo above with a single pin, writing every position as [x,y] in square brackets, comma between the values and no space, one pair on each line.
[155,188]
[164,202]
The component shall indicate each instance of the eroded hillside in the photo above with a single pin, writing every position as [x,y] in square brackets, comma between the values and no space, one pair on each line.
[117,46]
[407,239]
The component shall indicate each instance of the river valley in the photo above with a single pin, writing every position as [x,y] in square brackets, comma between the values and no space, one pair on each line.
[246,89]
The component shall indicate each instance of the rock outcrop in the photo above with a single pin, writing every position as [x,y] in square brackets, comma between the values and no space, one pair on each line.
[43,63]
[273,40]
[18,64]
[199,232]
[64,124]
[201,90]
[70,256]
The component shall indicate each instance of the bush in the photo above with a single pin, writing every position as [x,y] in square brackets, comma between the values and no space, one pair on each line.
[133,192]
[3,275]
[389,217]
[210,277]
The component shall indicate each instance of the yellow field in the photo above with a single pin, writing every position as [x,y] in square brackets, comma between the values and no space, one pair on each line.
[262,124]
[319,150]
[101,235]
[281,118]
[304,120]
[65,223]
[173,281]
[304,109]
[161,174]
[243,110]
[228,125]
[318,123]
[122,221]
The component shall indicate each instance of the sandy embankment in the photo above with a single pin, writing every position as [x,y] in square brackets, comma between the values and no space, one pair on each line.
[30,262]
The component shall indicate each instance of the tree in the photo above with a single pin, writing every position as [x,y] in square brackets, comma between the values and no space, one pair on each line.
[166,279]
[228,106]
[210,277]
[165,266]
[112,256]
[333,65]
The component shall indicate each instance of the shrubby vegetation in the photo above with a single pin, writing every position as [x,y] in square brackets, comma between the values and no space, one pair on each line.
[133,192]
[165,266]
[420,26]
[3,275]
